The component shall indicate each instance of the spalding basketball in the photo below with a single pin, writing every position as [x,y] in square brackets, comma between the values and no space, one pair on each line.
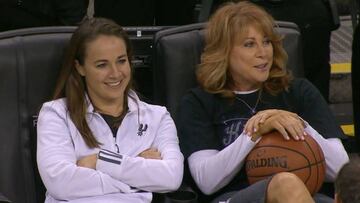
[274,154]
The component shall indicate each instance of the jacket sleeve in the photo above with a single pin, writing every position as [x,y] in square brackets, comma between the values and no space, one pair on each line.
[213,169]
[149,174]
[56,160]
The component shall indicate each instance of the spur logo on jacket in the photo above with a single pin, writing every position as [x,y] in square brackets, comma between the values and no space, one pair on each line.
[142,128]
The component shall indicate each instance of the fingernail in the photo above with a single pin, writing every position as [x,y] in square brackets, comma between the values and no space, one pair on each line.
[296,137]
[302,138]
[305,133]
[255,129]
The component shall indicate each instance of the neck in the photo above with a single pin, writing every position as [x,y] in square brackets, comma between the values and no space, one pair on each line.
[244,87]
[113,108]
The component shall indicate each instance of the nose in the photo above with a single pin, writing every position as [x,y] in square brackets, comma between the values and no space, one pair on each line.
[115,71]
[261,51]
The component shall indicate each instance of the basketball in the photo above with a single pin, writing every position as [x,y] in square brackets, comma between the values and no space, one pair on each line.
[273,154]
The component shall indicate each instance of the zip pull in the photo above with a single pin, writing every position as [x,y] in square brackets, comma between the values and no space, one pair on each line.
[117,147]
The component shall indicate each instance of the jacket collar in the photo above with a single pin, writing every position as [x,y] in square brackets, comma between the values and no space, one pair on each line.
[133,102]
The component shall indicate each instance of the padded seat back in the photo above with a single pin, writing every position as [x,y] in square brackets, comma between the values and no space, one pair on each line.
[29,64]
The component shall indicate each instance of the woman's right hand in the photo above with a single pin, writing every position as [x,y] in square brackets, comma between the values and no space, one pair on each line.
[287,123]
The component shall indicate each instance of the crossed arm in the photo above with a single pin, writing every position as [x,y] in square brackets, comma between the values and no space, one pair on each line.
[153,170]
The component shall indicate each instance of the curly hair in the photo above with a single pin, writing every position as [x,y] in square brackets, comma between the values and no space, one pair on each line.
[228,23]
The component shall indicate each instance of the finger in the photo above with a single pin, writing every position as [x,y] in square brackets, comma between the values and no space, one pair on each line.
[264,117]
[292,132]
[282,130]
[291,125]
[256,123]
[300,130]
[249,126]
[298,127]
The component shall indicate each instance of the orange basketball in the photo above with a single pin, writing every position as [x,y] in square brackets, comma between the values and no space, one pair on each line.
[274,154]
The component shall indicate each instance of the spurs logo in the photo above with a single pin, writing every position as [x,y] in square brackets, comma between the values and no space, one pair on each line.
[142,128]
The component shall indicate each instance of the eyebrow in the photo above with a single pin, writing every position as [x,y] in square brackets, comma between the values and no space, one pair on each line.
[104,60]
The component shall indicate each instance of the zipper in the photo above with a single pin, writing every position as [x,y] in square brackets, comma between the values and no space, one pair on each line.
[116,146]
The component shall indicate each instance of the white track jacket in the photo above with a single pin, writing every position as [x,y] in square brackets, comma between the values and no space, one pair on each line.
[120,175]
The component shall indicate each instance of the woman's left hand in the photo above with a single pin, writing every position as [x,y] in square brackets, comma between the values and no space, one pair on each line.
[88,161]
[287,123]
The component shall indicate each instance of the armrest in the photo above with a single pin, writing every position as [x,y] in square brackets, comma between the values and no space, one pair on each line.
[3,199]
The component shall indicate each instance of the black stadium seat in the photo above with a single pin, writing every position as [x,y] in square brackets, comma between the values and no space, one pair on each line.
[29,63]
[177,53]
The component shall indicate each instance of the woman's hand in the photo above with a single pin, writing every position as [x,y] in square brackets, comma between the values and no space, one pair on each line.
[151,153]
[287,123]
[252,125]
[88,161]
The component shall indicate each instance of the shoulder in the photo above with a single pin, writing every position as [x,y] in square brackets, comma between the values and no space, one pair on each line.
[299,82]
[57,106]
[198,101]
[157,109]
[200,95]
[136,104]
[303,86]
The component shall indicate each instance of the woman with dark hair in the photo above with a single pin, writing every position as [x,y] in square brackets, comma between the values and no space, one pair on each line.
[245,92]
[97,142]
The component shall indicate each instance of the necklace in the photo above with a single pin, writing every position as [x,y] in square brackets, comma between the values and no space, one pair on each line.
[252,109]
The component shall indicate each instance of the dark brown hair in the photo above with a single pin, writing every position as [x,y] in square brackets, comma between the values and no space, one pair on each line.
[71,84]
[347,183]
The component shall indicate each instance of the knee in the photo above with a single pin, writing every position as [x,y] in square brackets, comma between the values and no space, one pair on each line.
[285,181]
[287,187]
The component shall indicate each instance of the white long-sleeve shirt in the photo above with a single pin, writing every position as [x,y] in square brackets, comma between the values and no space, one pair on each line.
[213,169]
[124,177]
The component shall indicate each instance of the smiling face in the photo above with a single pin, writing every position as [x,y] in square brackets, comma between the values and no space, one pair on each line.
[250,60]
[106,70]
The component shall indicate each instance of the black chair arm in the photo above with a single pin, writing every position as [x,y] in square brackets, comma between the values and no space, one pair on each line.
[3,199]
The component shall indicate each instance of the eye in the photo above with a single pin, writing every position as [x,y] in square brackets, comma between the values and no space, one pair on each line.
[101,65]
[249,44]
[122,61]
[267,42]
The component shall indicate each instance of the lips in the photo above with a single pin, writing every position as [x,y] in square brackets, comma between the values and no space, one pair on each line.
[261,66]
[113,84]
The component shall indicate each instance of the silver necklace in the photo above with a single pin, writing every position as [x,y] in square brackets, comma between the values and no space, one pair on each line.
[252,109]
